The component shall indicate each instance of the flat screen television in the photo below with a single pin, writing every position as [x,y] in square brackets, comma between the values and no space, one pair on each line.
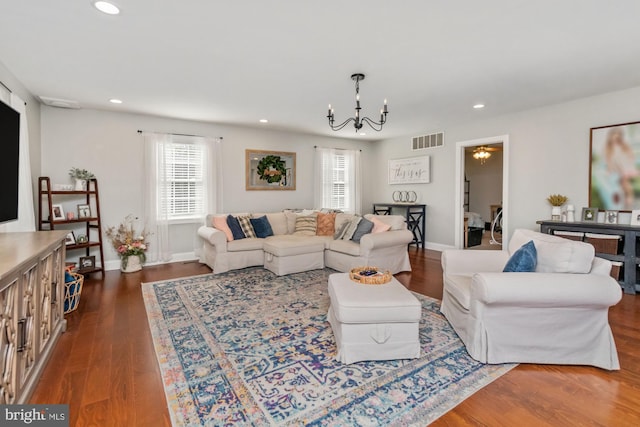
[9,162]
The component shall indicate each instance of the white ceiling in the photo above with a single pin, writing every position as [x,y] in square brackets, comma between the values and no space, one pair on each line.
[285,60]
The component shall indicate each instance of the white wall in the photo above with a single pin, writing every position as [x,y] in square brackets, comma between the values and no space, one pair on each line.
[549,153]
[485,183]
[107,144]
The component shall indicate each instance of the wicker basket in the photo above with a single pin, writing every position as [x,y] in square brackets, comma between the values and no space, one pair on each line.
[603,243]
[571,235]
[72,291]
[616,267]
[380,278]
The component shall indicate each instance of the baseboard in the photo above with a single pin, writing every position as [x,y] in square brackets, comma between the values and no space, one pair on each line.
[181,257]
[437,246]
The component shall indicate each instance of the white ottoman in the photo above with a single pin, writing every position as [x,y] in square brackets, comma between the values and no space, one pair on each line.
[373,322]
[292,256]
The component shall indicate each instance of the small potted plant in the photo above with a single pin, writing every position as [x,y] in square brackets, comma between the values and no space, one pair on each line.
[556,201]
[130,245]
[81,176]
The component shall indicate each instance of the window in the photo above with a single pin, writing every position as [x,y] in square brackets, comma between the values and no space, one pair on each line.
[183,194]
[337,179]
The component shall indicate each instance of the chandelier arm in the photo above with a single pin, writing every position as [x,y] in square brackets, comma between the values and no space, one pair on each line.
[342,125]
[373,124]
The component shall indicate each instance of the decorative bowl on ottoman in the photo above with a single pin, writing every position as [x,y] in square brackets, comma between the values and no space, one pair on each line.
[368,275]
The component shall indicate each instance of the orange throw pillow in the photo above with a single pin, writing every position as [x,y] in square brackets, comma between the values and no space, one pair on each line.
[326,224]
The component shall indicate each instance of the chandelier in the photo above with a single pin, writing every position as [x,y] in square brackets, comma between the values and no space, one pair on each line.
[482,154]
[358,121]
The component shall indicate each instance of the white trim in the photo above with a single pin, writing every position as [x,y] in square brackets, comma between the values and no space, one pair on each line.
[437,246]
[459,192]
[181,257]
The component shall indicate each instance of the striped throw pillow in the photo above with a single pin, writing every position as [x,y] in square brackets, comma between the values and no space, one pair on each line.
[306,225]
[245,224]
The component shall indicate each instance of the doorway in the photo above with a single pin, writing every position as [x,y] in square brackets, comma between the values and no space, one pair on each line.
[464,197]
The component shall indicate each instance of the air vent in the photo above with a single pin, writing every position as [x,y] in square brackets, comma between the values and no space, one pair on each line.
[427,141]
[60,103]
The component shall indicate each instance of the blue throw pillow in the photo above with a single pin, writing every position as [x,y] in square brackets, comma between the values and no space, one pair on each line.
[524,260]
[235,227]
[261,226]
[364,227]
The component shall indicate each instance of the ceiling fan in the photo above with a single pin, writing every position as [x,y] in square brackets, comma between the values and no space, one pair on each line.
[483,152]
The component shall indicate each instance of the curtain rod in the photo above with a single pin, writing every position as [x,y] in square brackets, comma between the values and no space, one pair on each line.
[333,148]
[180,134]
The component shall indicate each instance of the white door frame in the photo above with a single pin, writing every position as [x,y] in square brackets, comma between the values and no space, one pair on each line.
[460,163]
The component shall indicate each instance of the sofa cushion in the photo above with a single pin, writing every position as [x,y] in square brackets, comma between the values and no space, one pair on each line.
[364,227]
[378,226]
[326,224]
[458,286]
[564,257]
[305,225]
[524,260]
[234,225]
[247,244]
[289,247]
[220,222]
[245,224]
[261,226]
[348,247]
[396,222]
[278,221]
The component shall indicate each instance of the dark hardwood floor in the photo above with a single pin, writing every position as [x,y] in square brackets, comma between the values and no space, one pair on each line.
[105,366]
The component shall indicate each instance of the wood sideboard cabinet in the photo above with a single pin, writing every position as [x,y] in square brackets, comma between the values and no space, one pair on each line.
[31,308]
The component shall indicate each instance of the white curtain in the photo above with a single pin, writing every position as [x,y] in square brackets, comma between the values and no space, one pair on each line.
[156,218]
[327,162]
[26,216]
[213,188]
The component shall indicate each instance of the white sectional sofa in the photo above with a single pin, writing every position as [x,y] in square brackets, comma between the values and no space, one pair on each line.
[288,251]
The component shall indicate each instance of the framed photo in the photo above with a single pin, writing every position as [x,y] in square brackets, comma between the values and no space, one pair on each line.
[589,215]
[635,217]
[84,211]
[87,262]
[413,170]
[614,181]
[611,217]
[270,170]
[70,239]
[58,213]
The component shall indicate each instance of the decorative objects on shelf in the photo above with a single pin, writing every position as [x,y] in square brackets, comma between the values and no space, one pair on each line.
[130,245]
[611,217]
[589,215]
[412,170]
[368,275]
[81,176]
[270,170]
[614,167]
[358,121]
[556,201]
[404,196]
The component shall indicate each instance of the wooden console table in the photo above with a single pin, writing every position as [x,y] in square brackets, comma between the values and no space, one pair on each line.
[631,245]
[415,215]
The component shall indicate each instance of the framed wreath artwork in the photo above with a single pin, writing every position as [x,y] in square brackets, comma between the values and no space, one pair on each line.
[270,170]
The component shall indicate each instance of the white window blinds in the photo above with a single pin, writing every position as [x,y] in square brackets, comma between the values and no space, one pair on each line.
[183,195]
[337,179]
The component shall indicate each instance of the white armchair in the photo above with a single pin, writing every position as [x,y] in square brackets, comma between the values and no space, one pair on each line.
[556,315]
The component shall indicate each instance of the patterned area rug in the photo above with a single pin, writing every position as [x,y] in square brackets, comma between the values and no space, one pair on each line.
[251,348]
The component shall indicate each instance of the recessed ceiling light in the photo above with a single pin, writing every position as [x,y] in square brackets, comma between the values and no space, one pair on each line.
[363,133]
[107,7]
[264,121]
[115,101]
[478,106]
